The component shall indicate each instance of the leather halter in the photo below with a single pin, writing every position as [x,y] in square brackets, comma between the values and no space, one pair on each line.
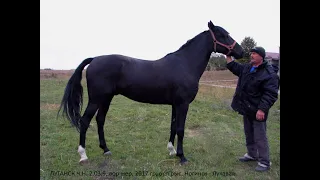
[215,41]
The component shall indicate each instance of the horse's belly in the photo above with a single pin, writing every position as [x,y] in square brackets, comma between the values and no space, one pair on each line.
[147,95]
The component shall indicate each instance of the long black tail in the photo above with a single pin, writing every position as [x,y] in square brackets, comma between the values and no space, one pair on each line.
[72,100]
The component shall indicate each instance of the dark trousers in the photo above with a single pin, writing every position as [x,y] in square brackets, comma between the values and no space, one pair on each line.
[256,139]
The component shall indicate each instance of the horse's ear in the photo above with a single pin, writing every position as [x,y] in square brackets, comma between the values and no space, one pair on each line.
[210,25]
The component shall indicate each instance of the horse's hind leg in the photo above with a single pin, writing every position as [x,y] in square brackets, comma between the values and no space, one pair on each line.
[100,118]
[84,124]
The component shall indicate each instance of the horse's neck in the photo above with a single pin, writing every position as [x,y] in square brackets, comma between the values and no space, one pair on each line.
[196,55]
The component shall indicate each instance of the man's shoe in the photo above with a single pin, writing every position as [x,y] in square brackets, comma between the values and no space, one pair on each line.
[246,158]
[262,167]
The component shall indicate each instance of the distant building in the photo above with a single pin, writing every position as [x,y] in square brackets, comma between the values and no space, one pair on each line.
[273,58]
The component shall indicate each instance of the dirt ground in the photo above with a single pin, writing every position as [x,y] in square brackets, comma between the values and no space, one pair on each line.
[218,76]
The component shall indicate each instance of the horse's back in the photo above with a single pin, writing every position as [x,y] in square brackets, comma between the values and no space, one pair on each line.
[137,79]
[155,82]
[146,81]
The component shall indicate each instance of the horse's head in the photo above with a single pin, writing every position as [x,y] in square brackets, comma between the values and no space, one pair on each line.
[224,43]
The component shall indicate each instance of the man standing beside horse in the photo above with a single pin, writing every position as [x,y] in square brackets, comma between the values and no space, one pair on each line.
[256,92]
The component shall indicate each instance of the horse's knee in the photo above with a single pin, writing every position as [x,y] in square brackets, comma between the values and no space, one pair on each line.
[180,132]
[84,125]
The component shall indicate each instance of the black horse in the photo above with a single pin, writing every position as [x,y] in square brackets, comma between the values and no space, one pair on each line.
[172,80]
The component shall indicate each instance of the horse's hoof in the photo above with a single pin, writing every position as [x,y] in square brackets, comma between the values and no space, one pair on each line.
[171,149]
[107,153]
[184,162]
[83,161]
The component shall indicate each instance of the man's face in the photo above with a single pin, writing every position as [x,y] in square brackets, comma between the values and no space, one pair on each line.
[255,58]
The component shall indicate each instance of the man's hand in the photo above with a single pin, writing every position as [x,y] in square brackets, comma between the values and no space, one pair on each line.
[260,115]
[229,59]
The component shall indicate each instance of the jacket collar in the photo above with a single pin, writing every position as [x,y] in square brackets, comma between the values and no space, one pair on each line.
[262,65]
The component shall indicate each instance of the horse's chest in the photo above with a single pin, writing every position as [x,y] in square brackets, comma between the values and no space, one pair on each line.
[187,92]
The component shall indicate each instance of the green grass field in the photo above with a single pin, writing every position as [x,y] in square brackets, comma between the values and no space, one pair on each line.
[137,135]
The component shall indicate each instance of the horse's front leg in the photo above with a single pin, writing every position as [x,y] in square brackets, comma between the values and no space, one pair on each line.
[173,132]
[181,114]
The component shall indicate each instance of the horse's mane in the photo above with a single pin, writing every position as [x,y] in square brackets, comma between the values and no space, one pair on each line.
[191,40]
[188,43]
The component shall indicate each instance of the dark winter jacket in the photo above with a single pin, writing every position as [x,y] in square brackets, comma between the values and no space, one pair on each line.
[255,90]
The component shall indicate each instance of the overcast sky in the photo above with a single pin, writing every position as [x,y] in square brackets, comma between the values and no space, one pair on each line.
[72,30]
